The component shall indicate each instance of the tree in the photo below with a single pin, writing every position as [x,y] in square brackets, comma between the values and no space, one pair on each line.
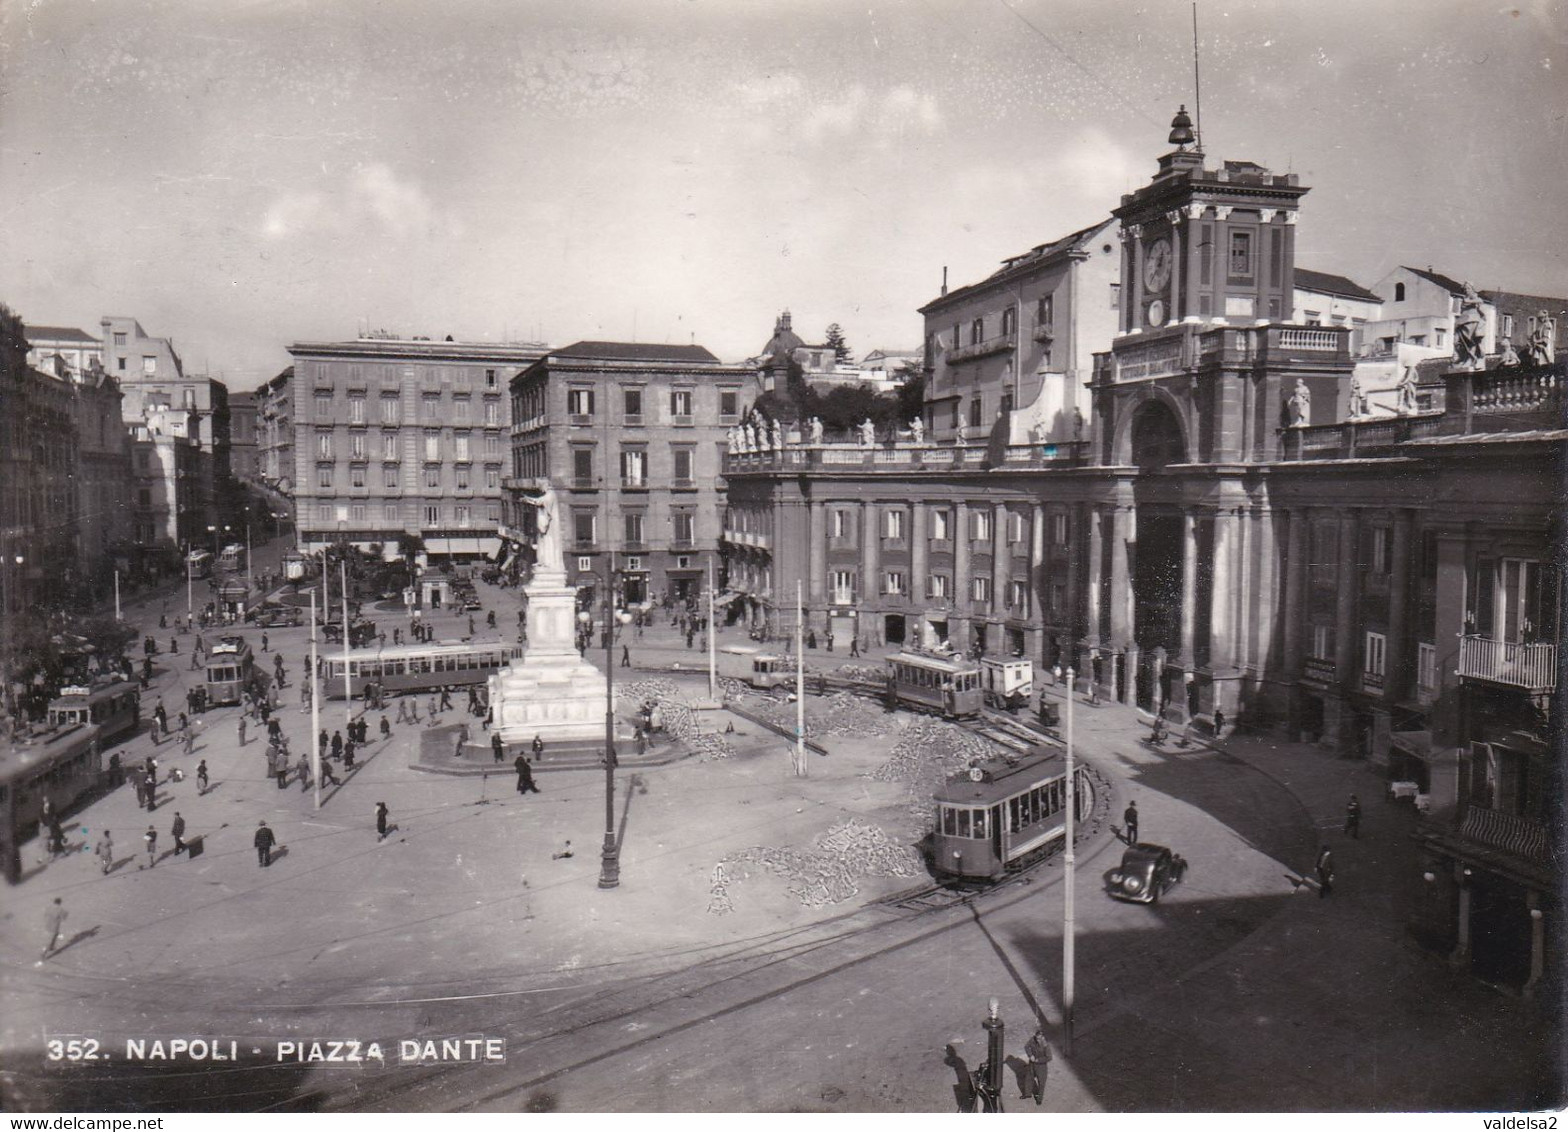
[834,336]
[911,396]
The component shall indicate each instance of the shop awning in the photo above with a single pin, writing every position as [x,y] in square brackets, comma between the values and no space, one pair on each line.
[1414,743]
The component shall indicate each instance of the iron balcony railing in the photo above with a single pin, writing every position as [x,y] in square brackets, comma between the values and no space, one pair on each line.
[1529,666]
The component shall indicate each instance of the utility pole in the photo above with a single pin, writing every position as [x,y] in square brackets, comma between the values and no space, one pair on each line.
[713,640]
[800,685]
[117,616]
[610,856]
[348,688]
[315,705]
[1071,863]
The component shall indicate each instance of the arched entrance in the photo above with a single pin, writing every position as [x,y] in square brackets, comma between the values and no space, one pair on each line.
[1155,443]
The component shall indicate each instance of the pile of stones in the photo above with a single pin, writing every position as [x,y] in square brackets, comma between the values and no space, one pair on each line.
[926,755]
[827,873]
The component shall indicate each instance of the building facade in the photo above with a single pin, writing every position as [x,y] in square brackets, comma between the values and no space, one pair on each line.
[169,505]
[244,450]
[632,436]
[396,436]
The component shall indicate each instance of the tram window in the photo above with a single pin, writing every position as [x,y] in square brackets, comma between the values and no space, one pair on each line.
[949,822]
[1012,815]
[980,823]
[963,823]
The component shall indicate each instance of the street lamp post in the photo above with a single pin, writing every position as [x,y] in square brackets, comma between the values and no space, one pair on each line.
[610,858]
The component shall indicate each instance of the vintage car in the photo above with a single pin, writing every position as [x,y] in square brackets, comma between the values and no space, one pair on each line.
[1146,872]
[360,633]
[276,616]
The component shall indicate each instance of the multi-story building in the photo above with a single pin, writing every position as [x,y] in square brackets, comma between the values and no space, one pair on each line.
[1011,355]
[632,436]
[63,351]
[398,436]
[1225,538]
[168,504]
[105,532]
[244,449]
[1321,299]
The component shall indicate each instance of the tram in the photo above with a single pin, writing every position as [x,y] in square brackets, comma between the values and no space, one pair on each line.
[198,563]
[232,560]
[417,668]
[1002,814]
[114,706]
[62,763]
[756,667]
[1007,684]
[230,669]
[946,684]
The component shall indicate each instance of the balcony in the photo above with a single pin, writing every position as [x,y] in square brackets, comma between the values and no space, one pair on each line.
[633,483]
[1045,332]
[1000,344]
[1529,666]
[682,420]
[579,418]
[584,483]
[902,458]
[1509,832]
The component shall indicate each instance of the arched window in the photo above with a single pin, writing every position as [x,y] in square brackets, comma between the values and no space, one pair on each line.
[1399,292]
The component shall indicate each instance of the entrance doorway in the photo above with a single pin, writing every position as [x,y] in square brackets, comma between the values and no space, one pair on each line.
[1499,931]
[1157,581]
[893,628]
[634,589]
[684,590]
[936,632]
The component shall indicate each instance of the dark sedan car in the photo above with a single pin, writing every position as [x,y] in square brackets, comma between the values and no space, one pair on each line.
[1146,872]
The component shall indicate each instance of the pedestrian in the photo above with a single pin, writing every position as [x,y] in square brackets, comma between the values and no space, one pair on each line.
[497,748]
[525,776]
[402,712]
[626,657]
[162,716]
[830,642]
[195,660]
[177,831]
[337,744]
[381,821]
[386,729]
[328,778]
[1325,869]
[1219,722]
[140,782]
[188,741]
[105,851]
[348,755]
[1353,817]
[446,698]
[264,842]
[201,777]
[854,646]
[56,836]
[54,923]
[151,838]
[1038,1052]
[304,773]
[432,710]
[1130,817]
[264,642]
[280,769]
[242,730]
[538,748]
[174,645]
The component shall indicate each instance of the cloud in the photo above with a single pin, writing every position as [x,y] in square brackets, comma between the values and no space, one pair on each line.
[373,198]
[763,90]
[901,110]
[903,107]
[836,118]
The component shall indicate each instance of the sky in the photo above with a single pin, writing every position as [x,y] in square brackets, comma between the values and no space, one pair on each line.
[244,174]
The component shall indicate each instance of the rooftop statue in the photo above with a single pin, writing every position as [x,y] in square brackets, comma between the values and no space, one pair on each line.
[1469,329]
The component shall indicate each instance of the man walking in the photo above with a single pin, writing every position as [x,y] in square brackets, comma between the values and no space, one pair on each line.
[105,851]
[1038,1052]
[201,777]
[538,748]
[151,838]
[1130,817]
[497,748]
[242,730]
[264,642]
[1325,873]
[525,776]
[386,729]
[264,842]
[54,923]
[177,831]
[381,821]
[303,766]
[1353,817]
[626,657]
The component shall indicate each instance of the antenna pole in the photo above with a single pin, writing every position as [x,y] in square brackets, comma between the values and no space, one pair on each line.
[1197,89]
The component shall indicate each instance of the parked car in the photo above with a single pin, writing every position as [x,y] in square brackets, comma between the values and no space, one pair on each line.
[1146,873]
[360,633]
[276,616]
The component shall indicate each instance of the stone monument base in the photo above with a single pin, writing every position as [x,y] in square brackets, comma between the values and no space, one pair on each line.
[551,692]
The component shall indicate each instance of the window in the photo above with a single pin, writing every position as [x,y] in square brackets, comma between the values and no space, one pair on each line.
[323,405]
[356,446]
[980,526]
[149,364]
[634,467]
[432,514]
[464,515]
[976,331]
[1381,559]
[584,563]
[324,476]
[893,582]
[324,445]
[980,587]
[461,409]
[1009,320]
[1060,528]
[682,465]
[357,512]
[356,475]
[1312,318]
[492,444]
[892,524]
[461,440]
[1508,326]
[582,465]
[432,444]
[843,587]
[390,471]
[356,410]
[1045,312]
[119,337]
[433,477]
[632,403]
[1016,528]
[1116,296]
[941,586]
[1373,654]
[389,513]
[584,526]
[974,412]
[1323,642]
[492,478]
[958,339]
[1426,667]
[120,364]
[579,402]
[685,526]
[839,524]
[492,411]
[430,406]
[462,477]
[389,410]
[389,446]
[1240,262]
[490,379]
[941,525]
[1438,334]
[1017,595]
[729,402]
[680,404]
[1399,292]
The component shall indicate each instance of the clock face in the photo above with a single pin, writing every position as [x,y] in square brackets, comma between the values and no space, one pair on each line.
[1157,264]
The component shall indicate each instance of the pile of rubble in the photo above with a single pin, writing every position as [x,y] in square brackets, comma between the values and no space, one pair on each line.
[866,673]
[827,873]
[678,717]
[927,754]
[842,713]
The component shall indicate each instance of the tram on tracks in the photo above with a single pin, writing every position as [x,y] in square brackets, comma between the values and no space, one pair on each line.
[231,668]
[113,706]
[59,761]
[944,683]
[1008,683]
[1001,815]
[756,667]
[417,668]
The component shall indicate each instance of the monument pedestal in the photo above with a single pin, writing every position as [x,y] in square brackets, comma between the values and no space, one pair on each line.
[551,692]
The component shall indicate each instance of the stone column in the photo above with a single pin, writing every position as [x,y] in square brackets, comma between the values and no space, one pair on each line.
[1298,551]
[1347,586]
[1001,570]
[1036,589]
[1189,590]
[1222,628]
[917,554]
[1120,596]
[1396,660]
[1460,956]
[1095,534]
[1174,314]
[1537,916]
[870,582]
[1452,551]
[816,591]
[958,630]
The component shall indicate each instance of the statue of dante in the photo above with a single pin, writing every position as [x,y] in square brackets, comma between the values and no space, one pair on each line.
[547,545]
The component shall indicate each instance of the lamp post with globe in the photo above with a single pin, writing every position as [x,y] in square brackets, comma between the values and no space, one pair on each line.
[614,619]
